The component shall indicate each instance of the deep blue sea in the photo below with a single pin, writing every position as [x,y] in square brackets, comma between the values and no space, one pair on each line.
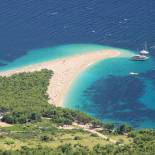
[34,31]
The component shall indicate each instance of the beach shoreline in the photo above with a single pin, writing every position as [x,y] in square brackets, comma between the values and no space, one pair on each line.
[65,71]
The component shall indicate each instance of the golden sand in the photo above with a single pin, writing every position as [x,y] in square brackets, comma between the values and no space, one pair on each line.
[65,71]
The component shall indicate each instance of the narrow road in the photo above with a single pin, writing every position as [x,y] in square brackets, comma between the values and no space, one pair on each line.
[100,135]
[93,131]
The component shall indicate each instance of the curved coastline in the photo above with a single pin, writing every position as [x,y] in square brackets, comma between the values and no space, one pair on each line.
[101,78]
[65,71]
[77,84]
[51,53]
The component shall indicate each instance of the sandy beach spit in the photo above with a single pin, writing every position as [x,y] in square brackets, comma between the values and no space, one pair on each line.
[65,71]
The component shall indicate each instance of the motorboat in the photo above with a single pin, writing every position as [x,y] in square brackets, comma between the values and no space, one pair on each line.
[133,73]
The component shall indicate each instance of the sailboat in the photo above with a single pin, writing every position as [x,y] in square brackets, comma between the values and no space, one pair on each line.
[142,55]
[145,50]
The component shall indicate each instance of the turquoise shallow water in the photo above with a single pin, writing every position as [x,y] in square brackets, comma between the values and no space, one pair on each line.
[105,90]
[41,55]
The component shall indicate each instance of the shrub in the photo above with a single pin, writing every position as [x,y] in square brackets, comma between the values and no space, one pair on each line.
[45,138]
[77,138]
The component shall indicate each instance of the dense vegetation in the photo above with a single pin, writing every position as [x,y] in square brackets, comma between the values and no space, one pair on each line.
[23,98]
[24,103]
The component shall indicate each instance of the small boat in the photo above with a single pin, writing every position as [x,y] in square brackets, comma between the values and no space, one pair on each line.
[139,57]
[133,73]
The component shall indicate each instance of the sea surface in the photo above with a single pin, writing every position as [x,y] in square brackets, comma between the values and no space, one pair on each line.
[36,31]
